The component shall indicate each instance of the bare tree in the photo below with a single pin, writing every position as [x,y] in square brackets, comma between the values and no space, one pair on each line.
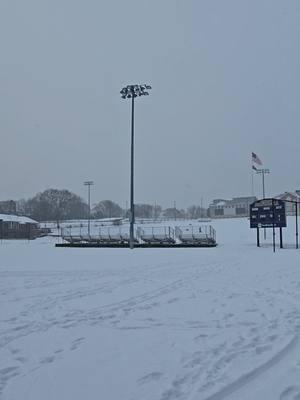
[56,205]
[174,213]
[195,212]
[107,209]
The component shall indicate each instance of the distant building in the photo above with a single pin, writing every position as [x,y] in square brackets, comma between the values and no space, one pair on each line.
[8,207]
[290,196]
[236,207]
[15,227]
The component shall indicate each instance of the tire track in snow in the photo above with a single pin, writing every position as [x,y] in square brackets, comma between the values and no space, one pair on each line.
[256,373]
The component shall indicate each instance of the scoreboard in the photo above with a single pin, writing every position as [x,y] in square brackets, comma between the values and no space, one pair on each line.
[267,213]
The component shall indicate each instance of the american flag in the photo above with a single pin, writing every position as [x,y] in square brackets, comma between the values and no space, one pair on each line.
[256,159]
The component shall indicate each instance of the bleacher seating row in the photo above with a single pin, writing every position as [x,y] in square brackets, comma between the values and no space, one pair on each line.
[190,234]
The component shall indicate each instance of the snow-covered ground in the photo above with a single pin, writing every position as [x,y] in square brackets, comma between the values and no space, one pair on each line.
[150,324]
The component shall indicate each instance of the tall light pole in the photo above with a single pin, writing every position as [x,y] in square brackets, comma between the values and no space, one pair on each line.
[89,184]
[131,92]
[263,171]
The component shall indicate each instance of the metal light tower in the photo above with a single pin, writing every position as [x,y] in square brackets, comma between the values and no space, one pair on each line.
[89,184]
[131,92]
[263,171]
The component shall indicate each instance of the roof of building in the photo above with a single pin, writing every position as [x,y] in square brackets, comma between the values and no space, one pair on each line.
[17,218]
[245,198]
[234,201]
[238,200]
[221,203]
[217,202]
[289,195]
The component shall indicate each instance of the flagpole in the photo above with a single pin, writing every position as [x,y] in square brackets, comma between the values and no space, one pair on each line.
[252,180]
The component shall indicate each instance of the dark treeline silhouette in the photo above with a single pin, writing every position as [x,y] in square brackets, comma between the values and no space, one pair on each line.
[54,205]
[59,205]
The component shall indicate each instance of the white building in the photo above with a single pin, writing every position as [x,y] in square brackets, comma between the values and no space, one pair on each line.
[236,207]
[290,197]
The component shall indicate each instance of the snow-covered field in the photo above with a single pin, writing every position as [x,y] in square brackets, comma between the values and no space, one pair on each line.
[150,324]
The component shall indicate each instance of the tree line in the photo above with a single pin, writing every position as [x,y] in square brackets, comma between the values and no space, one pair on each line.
[59,205]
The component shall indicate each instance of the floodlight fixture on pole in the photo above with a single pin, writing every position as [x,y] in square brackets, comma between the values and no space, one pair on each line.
[89,184]
[131,92]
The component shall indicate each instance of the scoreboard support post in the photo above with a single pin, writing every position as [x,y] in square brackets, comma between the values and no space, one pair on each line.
[274,243]
[297,243]
[273,226]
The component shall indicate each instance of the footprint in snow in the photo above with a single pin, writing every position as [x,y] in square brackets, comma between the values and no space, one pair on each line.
[170,301]
[76,343]
[262,349]
[47,360]
[153,376]
[9,371]
[58,351]
[290,393]
[6,374]
[15,351]
[22,360]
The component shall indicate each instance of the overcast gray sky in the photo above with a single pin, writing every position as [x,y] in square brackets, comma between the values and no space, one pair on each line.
[225,78]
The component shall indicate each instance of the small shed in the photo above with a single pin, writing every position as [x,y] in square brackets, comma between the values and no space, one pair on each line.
[18,227]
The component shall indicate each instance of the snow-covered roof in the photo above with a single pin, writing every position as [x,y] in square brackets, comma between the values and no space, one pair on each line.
[289,196]
[17,218]
[233,202]
[220,203]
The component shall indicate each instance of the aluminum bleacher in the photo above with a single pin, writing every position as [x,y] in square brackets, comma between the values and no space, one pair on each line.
[156,234]
[144,236]
[195,234]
